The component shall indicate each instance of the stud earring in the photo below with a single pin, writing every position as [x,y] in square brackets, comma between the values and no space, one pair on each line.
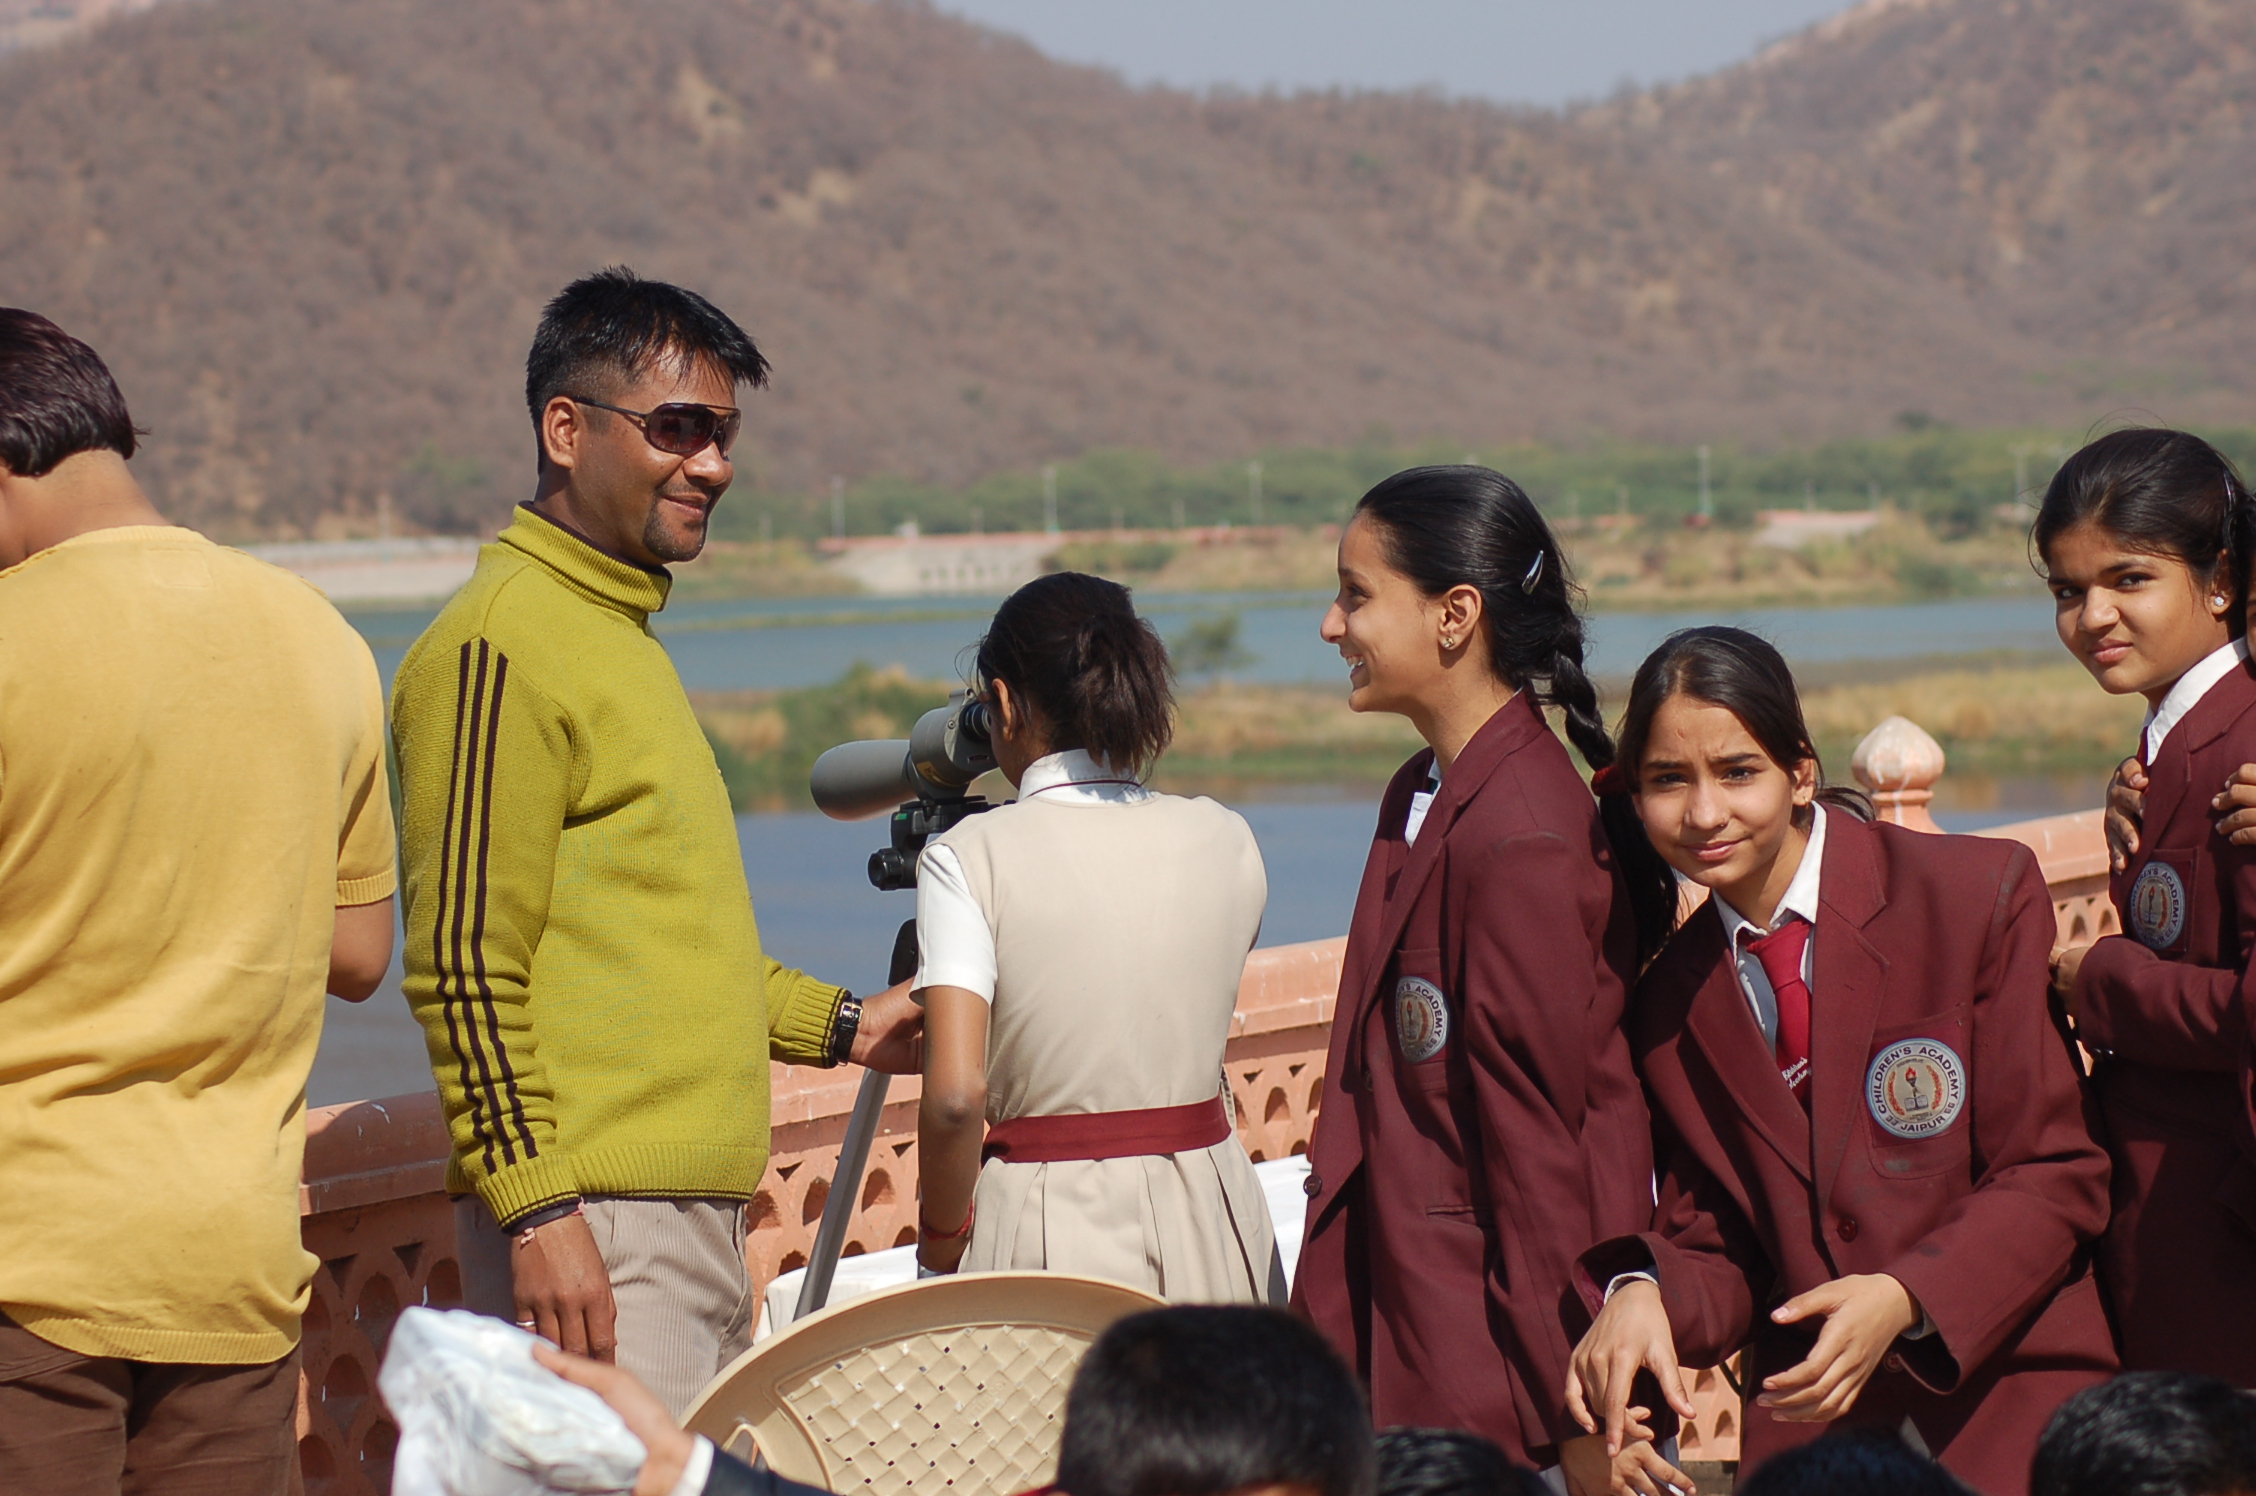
[1449,641]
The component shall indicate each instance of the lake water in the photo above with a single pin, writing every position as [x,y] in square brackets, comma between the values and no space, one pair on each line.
[818,912]
[773,644]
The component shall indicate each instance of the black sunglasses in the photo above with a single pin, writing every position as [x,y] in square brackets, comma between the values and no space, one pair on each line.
[679,428]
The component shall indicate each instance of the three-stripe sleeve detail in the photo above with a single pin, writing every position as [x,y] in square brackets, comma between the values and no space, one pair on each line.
[473,1022]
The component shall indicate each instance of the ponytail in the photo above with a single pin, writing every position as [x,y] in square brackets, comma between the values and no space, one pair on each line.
[1447,527]
[1072,646]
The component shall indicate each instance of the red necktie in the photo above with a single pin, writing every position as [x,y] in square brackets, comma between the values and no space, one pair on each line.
[1780,953]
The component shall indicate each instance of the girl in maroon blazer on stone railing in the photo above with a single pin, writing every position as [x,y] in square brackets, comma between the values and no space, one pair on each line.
[2145,540]
[1876,1176]
[1480,1122]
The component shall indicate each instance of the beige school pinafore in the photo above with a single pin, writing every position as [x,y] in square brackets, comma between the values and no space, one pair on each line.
[1121,931]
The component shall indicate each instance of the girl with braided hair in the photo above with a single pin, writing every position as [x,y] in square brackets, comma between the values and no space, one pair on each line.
[1481,1124]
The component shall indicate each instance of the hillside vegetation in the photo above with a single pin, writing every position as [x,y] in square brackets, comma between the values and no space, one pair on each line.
[314,237]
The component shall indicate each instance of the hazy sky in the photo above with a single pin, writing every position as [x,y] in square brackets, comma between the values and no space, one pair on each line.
[1529,51]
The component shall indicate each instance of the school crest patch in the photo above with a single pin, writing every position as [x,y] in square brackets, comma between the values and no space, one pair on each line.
[1916,1088]
[2158,906]
[1421,1019]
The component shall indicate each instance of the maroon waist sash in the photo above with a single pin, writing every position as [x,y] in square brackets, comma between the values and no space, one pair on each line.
[1078,1136]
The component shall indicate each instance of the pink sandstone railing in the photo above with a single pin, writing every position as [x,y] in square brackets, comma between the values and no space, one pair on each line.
[376,1215]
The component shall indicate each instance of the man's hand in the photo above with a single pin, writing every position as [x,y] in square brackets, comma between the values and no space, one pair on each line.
[563,1289]
[891,1037]
[1639,1468]
[2239,799]
[1863,1313]
[668,1448]
[1632,1331]
[2126,810]
[2067,965]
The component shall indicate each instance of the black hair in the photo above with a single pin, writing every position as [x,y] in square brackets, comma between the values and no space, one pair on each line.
[57,398]
[1202,1399]
[1445,527]
[1449,1462]
[2161,492]
[1071,646]
[2149,1433]
[1745,675]
[604,330]
[1853,1462]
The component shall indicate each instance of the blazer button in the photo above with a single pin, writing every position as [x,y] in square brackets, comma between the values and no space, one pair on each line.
[1847,1230]
[1312,1186]
[1894,1362]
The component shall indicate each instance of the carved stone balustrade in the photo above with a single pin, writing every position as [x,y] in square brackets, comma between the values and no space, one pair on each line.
[1898,763]
[376,1215]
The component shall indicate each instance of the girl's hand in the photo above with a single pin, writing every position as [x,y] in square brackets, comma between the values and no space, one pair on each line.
[940,1255]
[1630,1333]
[2067,964]
[1863,1313]
[1638,1469]
[2239,798]
[2126,808]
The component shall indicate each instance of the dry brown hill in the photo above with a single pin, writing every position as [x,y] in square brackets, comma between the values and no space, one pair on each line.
[313,236]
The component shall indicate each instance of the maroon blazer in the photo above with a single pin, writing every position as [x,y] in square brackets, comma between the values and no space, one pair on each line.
[1480,1122]
[2159,1006]
[1982,1193]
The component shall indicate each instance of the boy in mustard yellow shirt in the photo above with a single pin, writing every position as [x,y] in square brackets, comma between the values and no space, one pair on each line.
[195,843]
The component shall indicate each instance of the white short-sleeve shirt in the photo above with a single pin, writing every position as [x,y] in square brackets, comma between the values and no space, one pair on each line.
[955,944]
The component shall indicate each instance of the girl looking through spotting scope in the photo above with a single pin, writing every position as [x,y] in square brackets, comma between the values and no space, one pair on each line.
[1480,1122]
[2145,537]
[1080,954]
[1875,1172]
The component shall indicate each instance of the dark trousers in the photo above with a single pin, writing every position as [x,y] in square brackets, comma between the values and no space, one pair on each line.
[73,1425]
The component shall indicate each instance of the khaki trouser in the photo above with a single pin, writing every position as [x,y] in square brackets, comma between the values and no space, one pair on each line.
[677,1275]
[73,1425]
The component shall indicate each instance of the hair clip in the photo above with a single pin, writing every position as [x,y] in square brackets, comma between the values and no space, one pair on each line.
[1609,781]
[1534,574]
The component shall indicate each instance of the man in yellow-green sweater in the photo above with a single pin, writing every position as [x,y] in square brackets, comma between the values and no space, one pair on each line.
[580,947]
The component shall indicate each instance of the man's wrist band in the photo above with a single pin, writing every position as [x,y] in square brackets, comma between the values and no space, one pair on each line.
[844,1025]
[525,1225]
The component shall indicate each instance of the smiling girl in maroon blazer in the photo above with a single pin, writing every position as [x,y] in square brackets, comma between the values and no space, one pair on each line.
[1480,1122]
[1876,1175]
[2143,535]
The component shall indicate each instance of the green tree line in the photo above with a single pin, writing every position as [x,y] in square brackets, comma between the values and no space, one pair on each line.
[1955,480]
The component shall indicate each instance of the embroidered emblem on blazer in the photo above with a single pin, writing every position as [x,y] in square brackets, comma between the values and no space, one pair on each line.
[1421,1019]
[1916,1088]
[2158,906]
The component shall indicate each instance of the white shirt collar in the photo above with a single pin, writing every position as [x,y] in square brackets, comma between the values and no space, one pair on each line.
[1801,893]
[1076,777]
[2187,693]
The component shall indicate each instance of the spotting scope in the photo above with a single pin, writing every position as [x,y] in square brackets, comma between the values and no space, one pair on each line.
[924,779]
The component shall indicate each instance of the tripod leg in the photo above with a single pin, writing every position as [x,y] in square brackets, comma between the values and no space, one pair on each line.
[853,1156]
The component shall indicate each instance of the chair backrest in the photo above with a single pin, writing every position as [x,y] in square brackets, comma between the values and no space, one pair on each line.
[951,1386]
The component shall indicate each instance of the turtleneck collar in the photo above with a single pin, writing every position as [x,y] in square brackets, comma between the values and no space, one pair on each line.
[635,590]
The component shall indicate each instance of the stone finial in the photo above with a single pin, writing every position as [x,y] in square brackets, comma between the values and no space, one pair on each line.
[1899,763]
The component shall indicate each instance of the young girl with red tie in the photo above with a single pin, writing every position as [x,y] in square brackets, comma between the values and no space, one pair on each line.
[1480,1122]
[1875,1173]
[2144,540]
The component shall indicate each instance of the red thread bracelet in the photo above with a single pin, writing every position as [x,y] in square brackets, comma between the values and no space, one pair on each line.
[925,1231]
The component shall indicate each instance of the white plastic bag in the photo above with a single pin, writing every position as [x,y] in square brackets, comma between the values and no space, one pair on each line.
[479,1417]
